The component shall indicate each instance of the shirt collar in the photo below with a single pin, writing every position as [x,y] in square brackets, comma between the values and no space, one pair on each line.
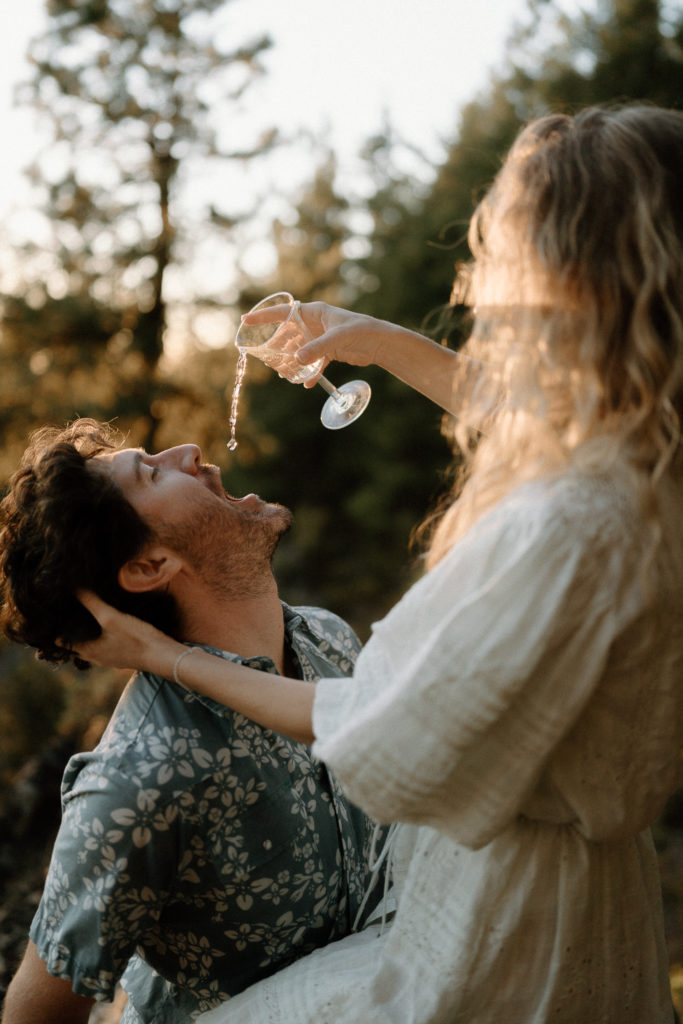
[294,622]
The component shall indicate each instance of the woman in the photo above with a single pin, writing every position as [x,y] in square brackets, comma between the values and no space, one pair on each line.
[519,712]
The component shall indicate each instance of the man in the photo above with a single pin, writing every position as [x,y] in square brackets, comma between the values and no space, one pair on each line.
[197,851]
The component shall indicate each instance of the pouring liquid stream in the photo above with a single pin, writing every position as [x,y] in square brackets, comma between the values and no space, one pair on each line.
[277,361]
[239,379]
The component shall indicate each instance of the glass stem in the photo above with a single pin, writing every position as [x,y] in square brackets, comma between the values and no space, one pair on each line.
[329,387]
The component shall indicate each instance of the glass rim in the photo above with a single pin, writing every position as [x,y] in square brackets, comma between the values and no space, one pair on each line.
[290,301]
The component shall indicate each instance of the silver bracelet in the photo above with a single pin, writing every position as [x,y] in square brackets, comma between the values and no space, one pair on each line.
[183,654]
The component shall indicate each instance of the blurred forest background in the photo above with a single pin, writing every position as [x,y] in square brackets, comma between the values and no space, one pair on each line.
[106,320]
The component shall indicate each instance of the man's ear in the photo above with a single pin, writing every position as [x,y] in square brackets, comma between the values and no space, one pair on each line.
[152,569]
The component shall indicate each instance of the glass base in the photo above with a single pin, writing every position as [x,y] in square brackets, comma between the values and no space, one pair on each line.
[338,412]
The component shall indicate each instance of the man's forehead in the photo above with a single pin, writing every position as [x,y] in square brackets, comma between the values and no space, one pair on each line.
[120,455]
[122,465]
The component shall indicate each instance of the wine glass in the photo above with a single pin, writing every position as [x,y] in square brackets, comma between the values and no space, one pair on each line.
[275,342]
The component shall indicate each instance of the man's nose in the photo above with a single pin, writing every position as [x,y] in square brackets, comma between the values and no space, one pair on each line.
[186,457]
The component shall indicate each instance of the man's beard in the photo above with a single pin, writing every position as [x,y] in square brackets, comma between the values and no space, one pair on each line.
[230,551]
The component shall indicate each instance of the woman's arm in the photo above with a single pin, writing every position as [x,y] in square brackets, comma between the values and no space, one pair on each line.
[429,368]
[275,702]
[360,340]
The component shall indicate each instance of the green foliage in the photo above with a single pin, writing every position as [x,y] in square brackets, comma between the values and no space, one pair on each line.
[626,50]
[40,704]
[31,701]
[311,250]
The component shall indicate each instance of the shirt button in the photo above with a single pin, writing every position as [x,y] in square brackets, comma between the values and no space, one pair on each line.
[267,844]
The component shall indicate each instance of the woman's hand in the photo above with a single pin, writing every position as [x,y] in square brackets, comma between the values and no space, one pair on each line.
[126,642]
[337,334]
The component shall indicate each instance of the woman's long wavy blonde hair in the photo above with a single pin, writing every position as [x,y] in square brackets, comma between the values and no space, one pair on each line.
[577,295]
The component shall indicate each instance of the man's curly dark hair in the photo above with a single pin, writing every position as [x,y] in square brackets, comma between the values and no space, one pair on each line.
[64,527]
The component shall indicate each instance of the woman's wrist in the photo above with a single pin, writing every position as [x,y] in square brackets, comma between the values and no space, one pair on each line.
[162,655]
[178,666]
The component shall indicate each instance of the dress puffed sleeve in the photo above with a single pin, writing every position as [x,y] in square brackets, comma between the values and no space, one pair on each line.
[466,688]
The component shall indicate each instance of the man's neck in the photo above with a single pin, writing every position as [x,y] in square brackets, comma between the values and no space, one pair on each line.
[248,625]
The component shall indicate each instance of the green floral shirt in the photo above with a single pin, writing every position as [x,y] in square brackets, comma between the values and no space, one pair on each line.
[199,852]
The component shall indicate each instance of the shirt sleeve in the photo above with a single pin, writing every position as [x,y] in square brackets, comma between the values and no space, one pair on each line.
[465,689]
[113,865]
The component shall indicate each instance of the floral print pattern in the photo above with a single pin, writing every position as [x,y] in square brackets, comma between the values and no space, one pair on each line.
[199,852]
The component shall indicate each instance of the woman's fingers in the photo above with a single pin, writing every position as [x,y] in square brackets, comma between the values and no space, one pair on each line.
[335,333]
[312,350]
[269,315]
[120,633]
[348,342]
[94,604]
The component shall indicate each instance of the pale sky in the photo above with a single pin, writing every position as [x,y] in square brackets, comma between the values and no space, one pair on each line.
[335,66]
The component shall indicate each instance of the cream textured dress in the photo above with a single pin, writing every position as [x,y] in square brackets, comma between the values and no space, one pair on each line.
[521,711]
